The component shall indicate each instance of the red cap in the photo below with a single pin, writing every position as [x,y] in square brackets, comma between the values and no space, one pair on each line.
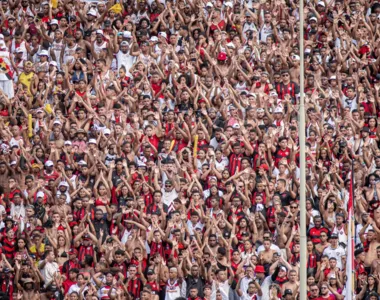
[222,56]
[259,269]
[73,251]
[264,166]
[201,100]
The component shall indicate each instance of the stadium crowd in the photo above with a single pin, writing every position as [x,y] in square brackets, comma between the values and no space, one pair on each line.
[149,149]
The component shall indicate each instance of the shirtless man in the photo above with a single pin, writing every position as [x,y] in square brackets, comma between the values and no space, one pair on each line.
[375,266]
[293,283]
[320,247]
[266,256]
[60,208]
[295,70]
[372,242]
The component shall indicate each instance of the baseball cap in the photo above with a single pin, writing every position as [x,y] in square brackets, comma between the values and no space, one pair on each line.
[92,12]
[49,163]
[64,183]
[259,269]
[127,34]
[92,141]
[73,251]
[40,194]
[278,110]
[43,53]
[264,166]
[163,34]
[222,56]
[54,22]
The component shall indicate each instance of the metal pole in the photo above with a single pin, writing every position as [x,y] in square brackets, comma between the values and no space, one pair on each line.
[302,138]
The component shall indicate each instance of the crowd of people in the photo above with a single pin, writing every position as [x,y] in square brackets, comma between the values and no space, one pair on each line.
[150,149]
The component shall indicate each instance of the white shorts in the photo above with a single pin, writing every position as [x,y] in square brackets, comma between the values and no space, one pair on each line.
[7,87]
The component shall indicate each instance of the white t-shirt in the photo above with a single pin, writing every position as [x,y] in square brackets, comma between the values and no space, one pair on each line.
[337,253]
[224,289]
[168,197]
[48,271]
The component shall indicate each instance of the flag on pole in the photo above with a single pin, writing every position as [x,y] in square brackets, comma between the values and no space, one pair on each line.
[350,270]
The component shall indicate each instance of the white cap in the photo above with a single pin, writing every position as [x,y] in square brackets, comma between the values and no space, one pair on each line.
[333,77]
[260,109]
[53,63]
[82,162]
[321,3]
[63,183]
[228,4]
[107,131]
[13,162]
[99,31]
[296,57]
[154,39]
[40,194]
[1,36]
[124,43]
[92,12]
[163,34]
[278,110]
[209,4]
[127,34]
[49,163]
[39,110]
[57,122]
[313,18]
[92,141]
[54,22]
[140,164]
[43,53]
[230,45]
[236,126]
[68,143]
[273,93]
[19,50]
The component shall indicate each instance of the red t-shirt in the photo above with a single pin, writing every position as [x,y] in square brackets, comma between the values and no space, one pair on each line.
[67,284]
